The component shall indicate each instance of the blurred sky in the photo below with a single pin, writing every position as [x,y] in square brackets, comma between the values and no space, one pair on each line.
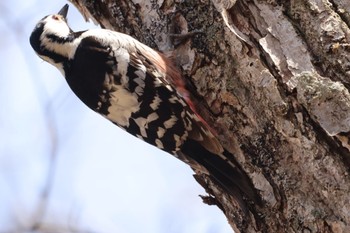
[103,180]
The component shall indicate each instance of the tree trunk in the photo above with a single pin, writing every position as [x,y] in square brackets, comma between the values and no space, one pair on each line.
[276,77]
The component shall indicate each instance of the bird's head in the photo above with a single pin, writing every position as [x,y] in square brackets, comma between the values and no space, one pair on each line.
[50,37]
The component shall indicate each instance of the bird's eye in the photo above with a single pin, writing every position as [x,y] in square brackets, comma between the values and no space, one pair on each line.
[55,17]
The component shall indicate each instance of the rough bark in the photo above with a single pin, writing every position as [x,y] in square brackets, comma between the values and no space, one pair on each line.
[279,100]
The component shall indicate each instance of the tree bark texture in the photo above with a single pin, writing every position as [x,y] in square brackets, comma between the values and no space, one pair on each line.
[275,76]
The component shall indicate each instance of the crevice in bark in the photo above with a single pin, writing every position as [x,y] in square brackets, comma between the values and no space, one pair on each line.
[316,60]
[330,141]
[345,16]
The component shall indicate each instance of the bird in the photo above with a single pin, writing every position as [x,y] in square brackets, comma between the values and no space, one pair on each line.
[143,92]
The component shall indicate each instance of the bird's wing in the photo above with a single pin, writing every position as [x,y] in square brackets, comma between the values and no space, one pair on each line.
[170,76]
[202,145]
[139,90]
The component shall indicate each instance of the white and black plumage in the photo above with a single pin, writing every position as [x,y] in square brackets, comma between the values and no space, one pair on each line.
[139,90]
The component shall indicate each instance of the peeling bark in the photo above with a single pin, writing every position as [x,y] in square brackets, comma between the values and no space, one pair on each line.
[276,77]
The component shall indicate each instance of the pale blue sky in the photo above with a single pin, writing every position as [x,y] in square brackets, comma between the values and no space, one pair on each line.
[104,180]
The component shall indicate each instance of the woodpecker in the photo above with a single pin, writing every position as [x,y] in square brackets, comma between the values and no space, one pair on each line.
[142,92]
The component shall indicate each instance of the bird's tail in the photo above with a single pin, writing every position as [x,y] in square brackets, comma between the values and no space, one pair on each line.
[227,173]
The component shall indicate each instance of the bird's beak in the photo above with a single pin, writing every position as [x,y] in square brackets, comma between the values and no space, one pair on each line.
[64,11]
